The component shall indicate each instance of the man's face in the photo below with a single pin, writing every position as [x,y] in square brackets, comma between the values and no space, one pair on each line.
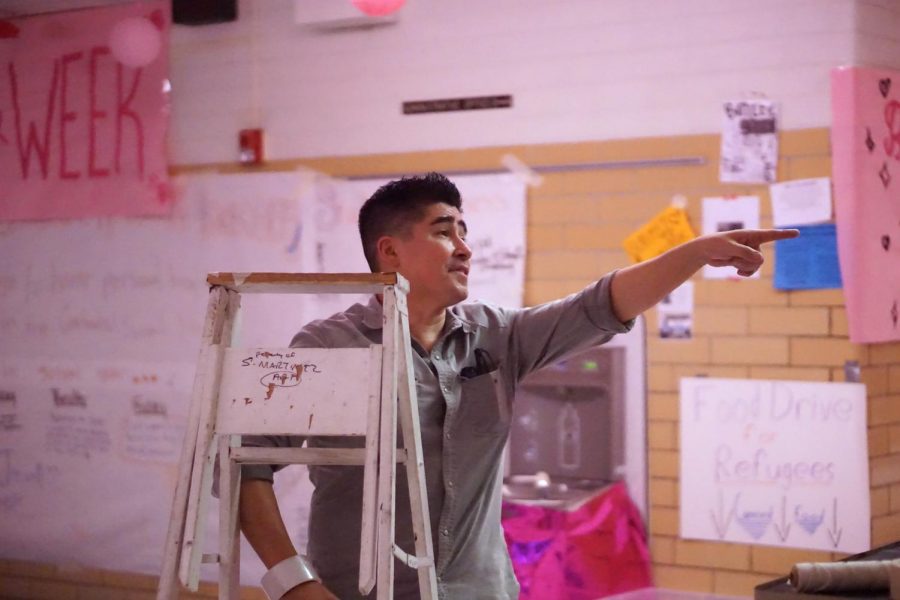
[434,257]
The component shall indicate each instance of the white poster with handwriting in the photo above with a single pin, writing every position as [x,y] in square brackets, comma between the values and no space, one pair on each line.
[100,324]
[779,463]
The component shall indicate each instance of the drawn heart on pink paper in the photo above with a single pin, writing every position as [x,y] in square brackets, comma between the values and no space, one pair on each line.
[8,29]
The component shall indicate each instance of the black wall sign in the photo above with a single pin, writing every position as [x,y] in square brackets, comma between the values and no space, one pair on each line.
[417,107]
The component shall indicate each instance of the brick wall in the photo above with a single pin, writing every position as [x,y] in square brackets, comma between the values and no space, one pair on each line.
[742,329]
[576,222]
[882,375]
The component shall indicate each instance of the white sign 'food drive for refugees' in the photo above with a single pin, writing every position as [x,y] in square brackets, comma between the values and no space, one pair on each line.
[780,463]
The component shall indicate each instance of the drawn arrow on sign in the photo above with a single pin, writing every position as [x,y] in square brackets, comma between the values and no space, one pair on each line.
[784,528]
[720,520]
[834,532]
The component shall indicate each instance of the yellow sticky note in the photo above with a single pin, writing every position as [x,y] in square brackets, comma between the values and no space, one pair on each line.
[665,231]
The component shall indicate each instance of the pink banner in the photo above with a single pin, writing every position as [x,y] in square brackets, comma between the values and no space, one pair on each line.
[865,148]
[83,113]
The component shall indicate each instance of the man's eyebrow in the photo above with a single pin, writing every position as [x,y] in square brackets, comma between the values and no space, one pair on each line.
[451,220]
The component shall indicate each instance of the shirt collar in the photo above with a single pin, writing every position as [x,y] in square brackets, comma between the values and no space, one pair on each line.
[455,321]
[372,317]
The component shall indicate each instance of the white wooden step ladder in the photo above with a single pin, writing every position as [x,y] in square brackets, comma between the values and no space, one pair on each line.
[312,392]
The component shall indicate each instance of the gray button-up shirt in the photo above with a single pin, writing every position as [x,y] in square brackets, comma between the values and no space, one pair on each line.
[464,422]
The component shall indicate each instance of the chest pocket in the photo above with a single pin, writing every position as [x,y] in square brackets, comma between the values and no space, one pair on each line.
[484,407]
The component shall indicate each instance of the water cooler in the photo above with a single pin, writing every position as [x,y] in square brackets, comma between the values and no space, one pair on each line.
[567,434]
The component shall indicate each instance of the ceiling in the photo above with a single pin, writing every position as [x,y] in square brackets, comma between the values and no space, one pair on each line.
[21,8]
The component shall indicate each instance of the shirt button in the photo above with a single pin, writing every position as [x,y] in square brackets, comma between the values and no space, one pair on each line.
[446,389]
[450,484]
[447,435]
[445,532]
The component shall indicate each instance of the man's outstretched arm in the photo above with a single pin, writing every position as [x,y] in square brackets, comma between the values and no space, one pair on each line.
[264,528]
[639,287]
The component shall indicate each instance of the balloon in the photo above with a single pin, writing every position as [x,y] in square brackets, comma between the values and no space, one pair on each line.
[378,8]
[135,41]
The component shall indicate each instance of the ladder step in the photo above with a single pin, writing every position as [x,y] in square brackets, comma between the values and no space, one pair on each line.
[305,456]
[307,283]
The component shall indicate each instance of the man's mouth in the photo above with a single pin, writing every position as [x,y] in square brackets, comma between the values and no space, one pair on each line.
[463,270]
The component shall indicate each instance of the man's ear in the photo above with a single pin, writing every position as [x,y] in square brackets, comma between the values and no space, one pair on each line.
[388,259]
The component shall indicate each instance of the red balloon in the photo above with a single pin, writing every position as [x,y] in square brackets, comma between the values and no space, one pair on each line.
[378,8]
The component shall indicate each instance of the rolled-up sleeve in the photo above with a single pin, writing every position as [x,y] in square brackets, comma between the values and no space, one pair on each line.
[543,334]
[597,301]
[266,472]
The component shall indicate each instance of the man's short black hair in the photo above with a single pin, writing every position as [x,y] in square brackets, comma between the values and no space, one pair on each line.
[396,206]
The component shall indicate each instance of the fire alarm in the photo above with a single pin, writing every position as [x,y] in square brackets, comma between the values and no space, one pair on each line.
[251,145]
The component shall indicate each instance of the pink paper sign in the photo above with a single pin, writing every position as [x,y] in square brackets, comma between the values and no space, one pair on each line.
[865,148]
[83,113]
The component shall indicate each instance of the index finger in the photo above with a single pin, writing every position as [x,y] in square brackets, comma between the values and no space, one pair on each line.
[762,236]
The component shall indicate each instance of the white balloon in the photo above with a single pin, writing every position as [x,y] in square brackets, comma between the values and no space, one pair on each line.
[135,41]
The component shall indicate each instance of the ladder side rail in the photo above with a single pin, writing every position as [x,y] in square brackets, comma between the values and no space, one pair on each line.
[415,465]
[368,528]
[212,330]
[229,531]
[204,458]
[388,447]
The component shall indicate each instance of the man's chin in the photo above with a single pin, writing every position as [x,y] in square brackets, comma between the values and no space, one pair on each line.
[459,295]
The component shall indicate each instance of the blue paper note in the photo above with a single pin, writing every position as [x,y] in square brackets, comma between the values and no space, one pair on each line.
[808,262]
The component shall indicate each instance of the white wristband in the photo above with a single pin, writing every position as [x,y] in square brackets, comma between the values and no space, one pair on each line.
[287,575]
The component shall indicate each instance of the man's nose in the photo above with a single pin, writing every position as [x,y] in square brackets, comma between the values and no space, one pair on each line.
[462,248]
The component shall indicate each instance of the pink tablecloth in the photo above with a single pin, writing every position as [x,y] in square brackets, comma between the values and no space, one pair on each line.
[597,550]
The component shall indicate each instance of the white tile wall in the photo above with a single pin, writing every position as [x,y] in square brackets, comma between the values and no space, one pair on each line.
[578,70]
